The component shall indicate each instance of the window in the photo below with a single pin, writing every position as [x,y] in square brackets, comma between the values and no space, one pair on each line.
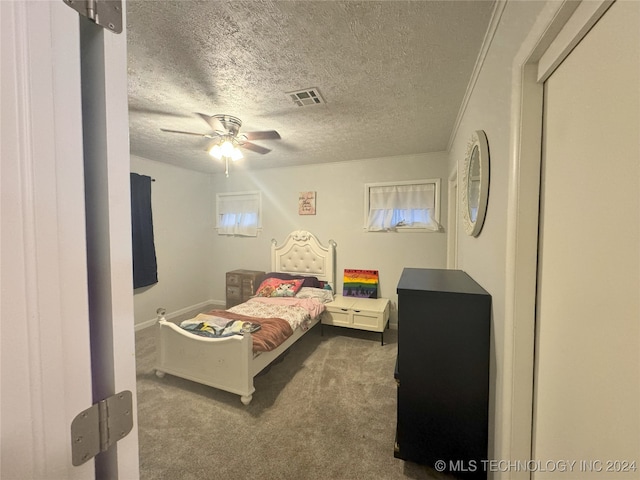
[402,206]
[239,213]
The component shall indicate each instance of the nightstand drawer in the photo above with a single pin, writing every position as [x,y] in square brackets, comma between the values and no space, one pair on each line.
[336,316]
[233,292]
[234,279]
[368,320]
[248,286]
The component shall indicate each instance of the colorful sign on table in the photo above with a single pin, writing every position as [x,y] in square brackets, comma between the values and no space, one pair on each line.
[360,283]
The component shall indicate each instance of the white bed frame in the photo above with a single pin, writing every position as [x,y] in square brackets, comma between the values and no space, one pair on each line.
[229,363]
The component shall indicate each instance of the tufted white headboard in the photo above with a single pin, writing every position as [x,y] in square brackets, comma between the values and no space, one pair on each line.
[302,254]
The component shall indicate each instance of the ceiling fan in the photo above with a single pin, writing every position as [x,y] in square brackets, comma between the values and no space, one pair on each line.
[226,139]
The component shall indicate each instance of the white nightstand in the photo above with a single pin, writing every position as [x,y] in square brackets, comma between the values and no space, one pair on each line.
[360,313]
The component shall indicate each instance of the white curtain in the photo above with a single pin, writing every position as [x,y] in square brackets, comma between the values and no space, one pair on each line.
[238,214]
[395,206]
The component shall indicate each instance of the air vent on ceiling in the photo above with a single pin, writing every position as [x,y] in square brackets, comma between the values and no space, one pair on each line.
[308,96]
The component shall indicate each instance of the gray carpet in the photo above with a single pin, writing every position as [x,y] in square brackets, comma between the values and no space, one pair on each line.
[325,411]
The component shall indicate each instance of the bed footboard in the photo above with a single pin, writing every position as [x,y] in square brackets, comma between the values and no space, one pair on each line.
[225,365]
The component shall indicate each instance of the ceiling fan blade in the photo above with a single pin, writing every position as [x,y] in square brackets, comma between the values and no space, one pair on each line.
[266,135]
[213,122]
[206,135]
[255,148]
[154,111]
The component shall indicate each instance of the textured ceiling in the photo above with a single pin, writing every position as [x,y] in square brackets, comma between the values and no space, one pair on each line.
[393,75]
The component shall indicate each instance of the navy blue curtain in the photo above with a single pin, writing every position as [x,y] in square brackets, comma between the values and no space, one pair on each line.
[145,268]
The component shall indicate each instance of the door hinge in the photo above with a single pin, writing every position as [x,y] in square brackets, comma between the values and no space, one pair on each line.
[106,13]
[98,427]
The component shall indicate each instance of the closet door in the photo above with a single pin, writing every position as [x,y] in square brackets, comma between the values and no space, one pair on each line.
[587,379]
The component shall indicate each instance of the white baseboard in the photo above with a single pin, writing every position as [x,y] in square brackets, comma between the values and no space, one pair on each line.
[177,313]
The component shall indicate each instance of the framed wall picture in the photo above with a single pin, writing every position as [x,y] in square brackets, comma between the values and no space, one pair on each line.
[307,203]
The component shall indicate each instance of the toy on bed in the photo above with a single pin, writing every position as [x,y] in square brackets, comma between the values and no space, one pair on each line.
[246,338]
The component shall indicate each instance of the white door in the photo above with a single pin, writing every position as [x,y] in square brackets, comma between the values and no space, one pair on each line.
[587,379]
[452,221]
[50,286]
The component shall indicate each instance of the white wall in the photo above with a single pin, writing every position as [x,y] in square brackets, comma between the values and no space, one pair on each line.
[484,257]
[183,228]
[339,191]
[193,258]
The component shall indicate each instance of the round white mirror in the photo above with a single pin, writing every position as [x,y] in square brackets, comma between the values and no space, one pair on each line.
[475,183]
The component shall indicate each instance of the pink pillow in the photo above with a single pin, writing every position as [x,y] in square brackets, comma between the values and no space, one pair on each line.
[274,287]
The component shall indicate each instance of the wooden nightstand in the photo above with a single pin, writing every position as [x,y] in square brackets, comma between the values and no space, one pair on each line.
[241,285]
[370,314]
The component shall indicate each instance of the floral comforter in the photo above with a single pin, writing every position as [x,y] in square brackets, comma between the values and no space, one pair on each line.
[296,311]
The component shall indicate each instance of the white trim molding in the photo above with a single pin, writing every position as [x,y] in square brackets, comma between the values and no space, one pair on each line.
[196,308]
[584,17]
[496,15]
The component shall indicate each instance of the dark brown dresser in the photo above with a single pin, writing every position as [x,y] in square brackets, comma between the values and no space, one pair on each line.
[241,285]
[442,371]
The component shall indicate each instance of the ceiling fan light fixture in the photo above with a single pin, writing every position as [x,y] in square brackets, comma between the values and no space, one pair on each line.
[236,154]
[227,148]
[216,152]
